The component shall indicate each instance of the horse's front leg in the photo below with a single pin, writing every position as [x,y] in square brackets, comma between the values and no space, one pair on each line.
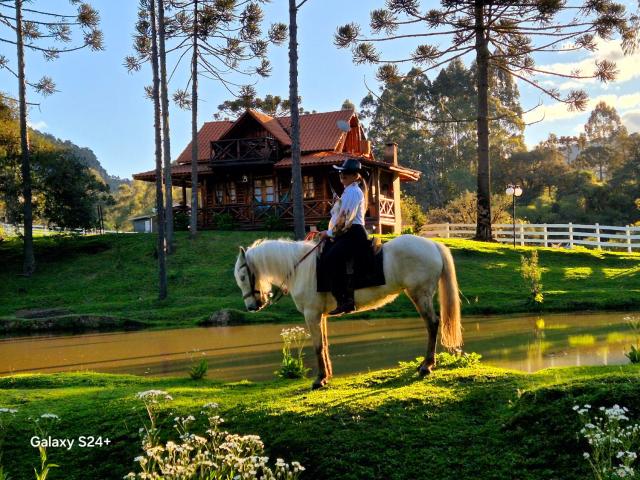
[314,320]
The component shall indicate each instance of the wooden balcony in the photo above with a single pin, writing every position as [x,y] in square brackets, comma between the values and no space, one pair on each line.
[254,215]
[244,151]
[386,207]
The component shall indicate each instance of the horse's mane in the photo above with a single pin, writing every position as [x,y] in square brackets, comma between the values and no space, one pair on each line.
[277,256]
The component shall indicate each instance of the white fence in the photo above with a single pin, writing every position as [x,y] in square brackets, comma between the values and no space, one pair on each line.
[41,230]
[565,235]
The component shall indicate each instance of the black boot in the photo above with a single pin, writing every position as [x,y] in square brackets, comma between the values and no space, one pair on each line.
[346,303]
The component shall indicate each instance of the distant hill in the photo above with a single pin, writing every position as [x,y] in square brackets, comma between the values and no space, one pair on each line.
[88,158]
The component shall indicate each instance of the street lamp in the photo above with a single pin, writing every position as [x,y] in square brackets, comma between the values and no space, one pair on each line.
[514,191]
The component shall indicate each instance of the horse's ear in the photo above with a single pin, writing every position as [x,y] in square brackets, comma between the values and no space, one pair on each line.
[242,252]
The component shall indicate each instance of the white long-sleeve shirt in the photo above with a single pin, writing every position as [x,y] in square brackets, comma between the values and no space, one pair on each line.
[351,208]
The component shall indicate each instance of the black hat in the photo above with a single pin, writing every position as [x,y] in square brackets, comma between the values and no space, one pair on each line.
[350,165]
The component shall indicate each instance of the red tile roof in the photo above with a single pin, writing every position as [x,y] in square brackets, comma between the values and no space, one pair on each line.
[318,131]
[177,172]
[336,158]
[209,132]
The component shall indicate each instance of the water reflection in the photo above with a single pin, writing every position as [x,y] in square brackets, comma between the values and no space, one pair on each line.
[526,343]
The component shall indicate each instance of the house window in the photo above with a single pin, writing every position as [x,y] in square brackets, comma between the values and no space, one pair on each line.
[308,188]
[225,193]
[263,190]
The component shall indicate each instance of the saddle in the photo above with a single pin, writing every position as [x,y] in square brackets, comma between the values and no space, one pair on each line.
[365,270]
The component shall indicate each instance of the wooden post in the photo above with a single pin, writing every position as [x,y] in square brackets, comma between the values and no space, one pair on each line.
[521,234]
[628,232]
[599,247]
[570,235]
[546,236]
[447,234]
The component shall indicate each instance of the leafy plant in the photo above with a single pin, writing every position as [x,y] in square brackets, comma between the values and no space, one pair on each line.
[273,222]
[464,360]
[292,365]
[633,354]
[532,275]
[199,370]
[181,221]
[223,221]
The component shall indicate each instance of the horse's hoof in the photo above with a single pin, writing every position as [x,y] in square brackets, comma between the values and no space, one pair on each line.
[319,384]
[424,371]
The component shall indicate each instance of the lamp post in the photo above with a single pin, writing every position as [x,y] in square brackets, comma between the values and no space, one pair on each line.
[514,191]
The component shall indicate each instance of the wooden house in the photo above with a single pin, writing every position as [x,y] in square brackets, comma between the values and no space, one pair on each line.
[244,170]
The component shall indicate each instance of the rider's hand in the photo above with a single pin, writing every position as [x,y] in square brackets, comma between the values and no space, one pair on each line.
[323,235]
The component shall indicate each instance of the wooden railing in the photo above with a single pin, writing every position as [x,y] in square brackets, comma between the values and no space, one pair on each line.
[565,235]
[387,207]
[244,149]
[254,214]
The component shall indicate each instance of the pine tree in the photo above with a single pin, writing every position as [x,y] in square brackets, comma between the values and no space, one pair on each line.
[26,31]
[501,34]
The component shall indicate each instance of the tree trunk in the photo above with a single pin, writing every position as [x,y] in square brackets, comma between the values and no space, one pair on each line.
[483,221]
[29,264]
[166,141]
[194,126]
[162,268]
[296,170]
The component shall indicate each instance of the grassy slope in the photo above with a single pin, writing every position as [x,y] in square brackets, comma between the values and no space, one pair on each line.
[115,275]
[480,422]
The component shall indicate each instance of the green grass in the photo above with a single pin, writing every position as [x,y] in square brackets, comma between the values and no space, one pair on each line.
[115,276]
[469,423]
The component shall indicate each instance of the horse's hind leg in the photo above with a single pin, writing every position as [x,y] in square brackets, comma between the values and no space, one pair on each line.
[423,301]
[314,321]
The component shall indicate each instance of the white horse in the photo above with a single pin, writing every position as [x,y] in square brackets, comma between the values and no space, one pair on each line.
[411,264]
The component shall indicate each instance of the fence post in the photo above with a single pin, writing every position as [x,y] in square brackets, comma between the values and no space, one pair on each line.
[546,235]
[446,230]
[570,235]
[628,232]
[599,247]
[521,234]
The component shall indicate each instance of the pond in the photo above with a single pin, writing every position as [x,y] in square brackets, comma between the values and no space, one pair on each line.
[252,352]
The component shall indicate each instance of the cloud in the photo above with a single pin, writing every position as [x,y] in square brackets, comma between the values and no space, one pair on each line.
[631,120]
[627,66]
[558,111]
[40,125]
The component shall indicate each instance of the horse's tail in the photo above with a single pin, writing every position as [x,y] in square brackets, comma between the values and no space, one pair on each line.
[448,294]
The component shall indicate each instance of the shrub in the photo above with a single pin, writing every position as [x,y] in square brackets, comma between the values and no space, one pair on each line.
[532,275]
[292,362]
[412,214]
[199,370]
[181,221]
[634,354]
[273,222]
[223,221]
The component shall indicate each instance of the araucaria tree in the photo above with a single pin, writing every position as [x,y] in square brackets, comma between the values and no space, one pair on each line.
[498,34]
[49,33]
[224,41]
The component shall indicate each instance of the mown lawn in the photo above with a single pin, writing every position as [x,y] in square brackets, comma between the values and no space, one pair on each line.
[468,423]
[114,275]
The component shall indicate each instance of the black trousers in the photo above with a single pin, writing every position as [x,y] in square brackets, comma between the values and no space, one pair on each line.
[344,248]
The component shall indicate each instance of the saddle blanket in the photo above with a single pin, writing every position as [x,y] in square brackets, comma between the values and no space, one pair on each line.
[365,271]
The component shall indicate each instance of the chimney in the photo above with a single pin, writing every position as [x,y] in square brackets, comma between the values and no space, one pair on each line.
[391,153]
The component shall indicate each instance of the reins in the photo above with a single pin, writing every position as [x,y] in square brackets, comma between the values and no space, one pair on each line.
[282,289]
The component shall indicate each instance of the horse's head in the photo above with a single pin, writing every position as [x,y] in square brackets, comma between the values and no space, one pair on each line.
[254,292]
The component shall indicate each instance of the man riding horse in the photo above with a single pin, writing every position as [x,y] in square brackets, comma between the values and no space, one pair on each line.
[346,234]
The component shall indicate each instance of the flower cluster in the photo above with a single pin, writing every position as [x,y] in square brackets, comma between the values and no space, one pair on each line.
[214,455]
[613,441]
[292,363]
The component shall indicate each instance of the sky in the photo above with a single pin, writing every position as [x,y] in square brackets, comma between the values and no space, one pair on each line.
[100,106]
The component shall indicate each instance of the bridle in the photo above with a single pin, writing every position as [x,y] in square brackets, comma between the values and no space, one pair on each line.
[252,282]
[282,289]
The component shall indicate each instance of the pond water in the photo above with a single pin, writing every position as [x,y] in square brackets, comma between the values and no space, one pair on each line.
[252,352]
